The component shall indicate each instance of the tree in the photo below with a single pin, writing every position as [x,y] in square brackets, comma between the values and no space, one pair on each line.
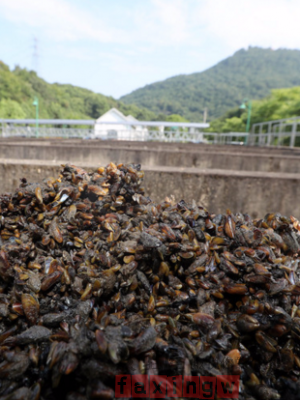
[175,118]
[250,73]
[11,109]
[95,106]
[20,86]
[234,124]
[280,104]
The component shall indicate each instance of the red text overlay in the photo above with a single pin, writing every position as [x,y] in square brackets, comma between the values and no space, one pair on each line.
[162,386]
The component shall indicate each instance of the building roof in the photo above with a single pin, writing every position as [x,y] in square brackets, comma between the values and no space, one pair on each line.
[114,115]
[113,112]
[131,118]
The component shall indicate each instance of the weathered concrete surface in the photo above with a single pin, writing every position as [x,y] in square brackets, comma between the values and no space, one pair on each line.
[253,192]
[151,154]
[281,150]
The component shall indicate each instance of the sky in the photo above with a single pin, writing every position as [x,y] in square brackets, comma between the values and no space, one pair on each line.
[116,46]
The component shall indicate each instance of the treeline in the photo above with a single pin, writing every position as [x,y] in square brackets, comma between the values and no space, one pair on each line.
[18,88]
[281,103]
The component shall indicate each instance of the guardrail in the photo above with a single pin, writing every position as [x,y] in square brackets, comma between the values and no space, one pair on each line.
[275,138]
[89,129]
[281,132]
[288,139]
[166,135]
[29,132]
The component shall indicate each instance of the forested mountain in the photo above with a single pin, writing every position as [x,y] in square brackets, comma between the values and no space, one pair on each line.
[19,86]
[281,103]
[248,73]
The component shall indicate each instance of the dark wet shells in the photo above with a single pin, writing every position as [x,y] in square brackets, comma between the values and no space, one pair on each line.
[97,280]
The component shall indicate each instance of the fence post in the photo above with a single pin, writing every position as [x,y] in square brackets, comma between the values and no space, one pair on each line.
[293,134]
[269,133]
[259,134]
[279,134]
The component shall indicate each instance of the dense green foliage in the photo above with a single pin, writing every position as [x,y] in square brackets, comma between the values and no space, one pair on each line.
[248,73]
[18,88]
[281,103]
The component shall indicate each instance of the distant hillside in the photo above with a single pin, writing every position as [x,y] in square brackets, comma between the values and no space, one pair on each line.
[18,88]
[248,73]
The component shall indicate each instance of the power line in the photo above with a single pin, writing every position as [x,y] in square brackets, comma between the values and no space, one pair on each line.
[35,55]
[21,50]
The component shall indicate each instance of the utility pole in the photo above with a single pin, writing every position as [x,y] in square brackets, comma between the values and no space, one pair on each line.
[205,114]
[247,105]
[36,104]
[248,116]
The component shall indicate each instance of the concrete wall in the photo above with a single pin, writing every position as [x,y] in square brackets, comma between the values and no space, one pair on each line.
[253,192]
[152,145]
[247,179]
[237,158]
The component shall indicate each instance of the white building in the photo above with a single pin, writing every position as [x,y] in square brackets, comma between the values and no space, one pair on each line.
[109,126]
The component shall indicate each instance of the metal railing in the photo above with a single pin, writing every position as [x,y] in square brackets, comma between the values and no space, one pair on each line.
[90,129]
[236,138]
[29,132]
[282,132]
[166,135]
[285,132]
[287,139]
[262,127]
[277,138]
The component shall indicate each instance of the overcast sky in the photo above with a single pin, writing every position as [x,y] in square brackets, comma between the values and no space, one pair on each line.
[116,46]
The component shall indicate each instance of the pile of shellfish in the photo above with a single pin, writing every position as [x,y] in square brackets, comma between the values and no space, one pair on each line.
[97,280]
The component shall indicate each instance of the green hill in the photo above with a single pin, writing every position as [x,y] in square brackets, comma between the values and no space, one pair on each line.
[280,104]
[248,73]
[19,86]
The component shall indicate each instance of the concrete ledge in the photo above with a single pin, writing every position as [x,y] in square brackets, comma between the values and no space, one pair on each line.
[250,192]
[208,157]
[283,150]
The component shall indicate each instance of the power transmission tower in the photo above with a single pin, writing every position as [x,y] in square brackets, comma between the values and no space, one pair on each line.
[35,55]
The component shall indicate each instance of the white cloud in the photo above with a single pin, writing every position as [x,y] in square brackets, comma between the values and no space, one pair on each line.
[174,16]
[232,23]
[160,23]
[60,20]
[240,23]
[156,22]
